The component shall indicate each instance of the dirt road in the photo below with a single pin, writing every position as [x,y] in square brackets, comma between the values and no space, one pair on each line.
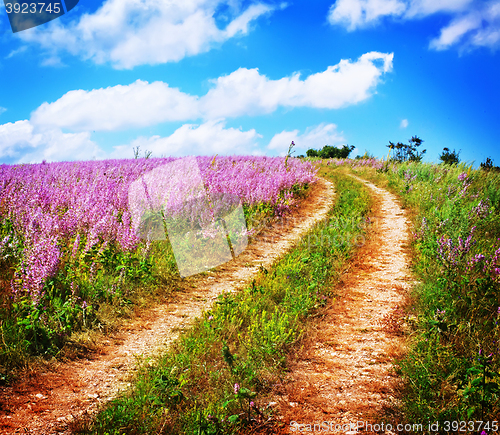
[344,376]
[44,403]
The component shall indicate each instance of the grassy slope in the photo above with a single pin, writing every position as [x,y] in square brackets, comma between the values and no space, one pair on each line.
[452,369]
[92,293]
[216,376]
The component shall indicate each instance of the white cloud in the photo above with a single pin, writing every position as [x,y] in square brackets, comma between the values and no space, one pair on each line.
[421,8]
[16,51]
[454,32]
[477,28]
[247,92]
[404,123]
[359,13]
[209,138]
[19,142]
[241,23]
[2,110]
[474,23]
[314,137]
[128,33]
[243,92]
[136,105]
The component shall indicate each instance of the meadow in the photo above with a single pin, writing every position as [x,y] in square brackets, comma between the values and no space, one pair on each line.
[72,259]
[452,368]
[70,256]
[218,376]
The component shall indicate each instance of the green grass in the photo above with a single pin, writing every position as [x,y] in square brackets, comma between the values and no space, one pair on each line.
[92,293]
[216,376]
[452,370]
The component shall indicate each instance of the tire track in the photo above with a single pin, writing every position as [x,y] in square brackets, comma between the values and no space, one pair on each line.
[345,376]
[47,403]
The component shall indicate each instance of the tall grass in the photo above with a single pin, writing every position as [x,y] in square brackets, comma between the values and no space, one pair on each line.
[71,259]
[215,378]
[452,370]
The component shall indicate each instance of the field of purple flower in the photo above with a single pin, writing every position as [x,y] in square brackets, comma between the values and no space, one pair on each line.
[452,370]
[68,243]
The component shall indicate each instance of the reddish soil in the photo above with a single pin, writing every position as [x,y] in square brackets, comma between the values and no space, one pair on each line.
[45,402]
[344,373]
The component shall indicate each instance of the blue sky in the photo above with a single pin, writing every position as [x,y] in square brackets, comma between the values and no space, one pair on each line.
[204,77]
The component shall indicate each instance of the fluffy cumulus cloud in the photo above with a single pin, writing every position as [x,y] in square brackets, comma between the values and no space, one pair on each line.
[243,92]
[20,143]
[476,28]
[128,33]
[313,137]
[136,105]
[247,92]
[359,13]
[474,23]
[208,138]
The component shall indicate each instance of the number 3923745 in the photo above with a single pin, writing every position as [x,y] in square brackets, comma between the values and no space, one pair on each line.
[33,8]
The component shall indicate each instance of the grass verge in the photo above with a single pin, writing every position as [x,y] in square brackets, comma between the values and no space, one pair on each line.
[452,370]
[215,377]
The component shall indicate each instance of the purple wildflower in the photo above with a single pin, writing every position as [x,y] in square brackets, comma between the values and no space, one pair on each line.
[482,210]
[423,228]
[476,259]
[449,253]
[53,204]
